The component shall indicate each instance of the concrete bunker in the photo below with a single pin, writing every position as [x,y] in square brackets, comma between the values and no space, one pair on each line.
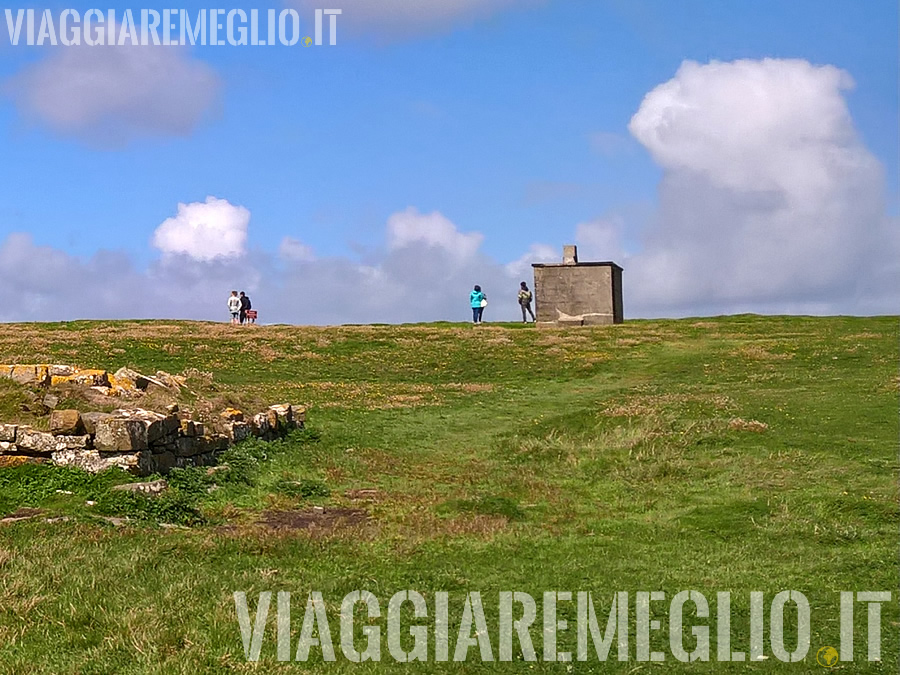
[574,293]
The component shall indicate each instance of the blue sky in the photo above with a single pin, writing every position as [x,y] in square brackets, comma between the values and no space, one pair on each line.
[498,123]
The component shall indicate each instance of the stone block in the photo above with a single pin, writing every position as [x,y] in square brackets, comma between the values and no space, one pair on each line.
[189,428]
[216,442]
[93,461]
[8,432]
[66,422]
[33,442]
[126,378]
[237,431]
[31,375]
[121,434]
[90,420]
[74,442]
[187,446]
[162,428]
[284,413]
[91,378]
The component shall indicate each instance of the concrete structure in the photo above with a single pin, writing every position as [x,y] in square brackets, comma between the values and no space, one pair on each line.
[578,293]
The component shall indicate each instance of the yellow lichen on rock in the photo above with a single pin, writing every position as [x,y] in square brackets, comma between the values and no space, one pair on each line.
[232,415]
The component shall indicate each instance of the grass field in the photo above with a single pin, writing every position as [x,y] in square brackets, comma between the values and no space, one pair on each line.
[735,454]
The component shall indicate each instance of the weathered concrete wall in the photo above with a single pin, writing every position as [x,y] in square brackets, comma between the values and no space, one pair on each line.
[578,293]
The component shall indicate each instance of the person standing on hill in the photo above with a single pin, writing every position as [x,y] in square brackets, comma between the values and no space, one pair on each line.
[478,301]
[245,305]
[525,301]
[234,306]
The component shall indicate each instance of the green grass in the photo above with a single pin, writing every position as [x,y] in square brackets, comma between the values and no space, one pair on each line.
[738,454]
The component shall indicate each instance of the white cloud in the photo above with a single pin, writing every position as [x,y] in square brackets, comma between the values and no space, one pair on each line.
[537,253]
[410,227]
[295,250]
[109,95]
[769,199]
[405,18]
[600,239]
[204,230]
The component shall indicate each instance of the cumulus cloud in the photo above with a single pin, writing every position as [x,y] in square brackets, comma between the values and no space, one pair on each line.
[204,230]
[411,228]
[600,239]
[769,200]
[295,250]
[110,95]
[537,253]
[390,19]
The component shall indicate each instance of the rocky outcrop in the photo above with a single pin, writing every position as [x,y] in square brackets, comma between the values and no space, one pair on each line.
[140,441]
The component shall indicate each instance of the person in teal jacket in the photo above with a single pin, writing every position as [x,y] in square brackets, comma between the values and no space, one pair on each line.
[477,300]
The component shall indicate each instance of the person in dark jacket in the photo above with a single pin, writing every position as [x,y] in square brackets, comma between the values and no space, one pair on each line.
[525,301]
[245,305]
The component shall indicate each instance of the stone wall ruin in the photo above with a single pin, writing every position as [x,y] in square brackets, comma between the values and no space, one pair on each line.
[137,440]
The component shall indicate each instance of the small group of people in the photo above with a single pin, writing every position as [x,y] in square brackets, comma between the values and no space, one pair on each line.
[478,301]
[240,308]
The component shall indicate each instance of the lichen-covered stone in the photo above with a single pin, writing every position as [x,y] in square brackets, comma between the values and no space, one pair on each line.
[32,442]
[66,422]
[163,428]
[126,378]
[30,374]
[121,434]
[8,432]
[74,442]
[231,415]
[9,461]
[93,461]
[192,429]
[90,419]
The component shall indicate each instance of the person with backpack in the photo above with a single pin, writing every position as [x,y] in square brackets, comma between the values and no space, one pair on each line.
[525,301]
[478,301]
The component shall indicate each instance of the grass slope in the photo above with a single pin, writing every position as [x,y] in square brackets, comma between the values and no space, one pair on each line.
[733,454]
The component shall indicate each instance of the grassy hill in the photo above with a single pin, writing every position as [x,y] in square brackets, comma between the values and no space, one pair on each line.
[735,454]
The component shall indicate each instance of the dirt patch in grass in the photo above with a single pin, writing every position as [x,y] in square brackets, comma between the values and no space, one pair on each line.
[649,405]
[740,424]
[364,494]
[21,514]
[324,520]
